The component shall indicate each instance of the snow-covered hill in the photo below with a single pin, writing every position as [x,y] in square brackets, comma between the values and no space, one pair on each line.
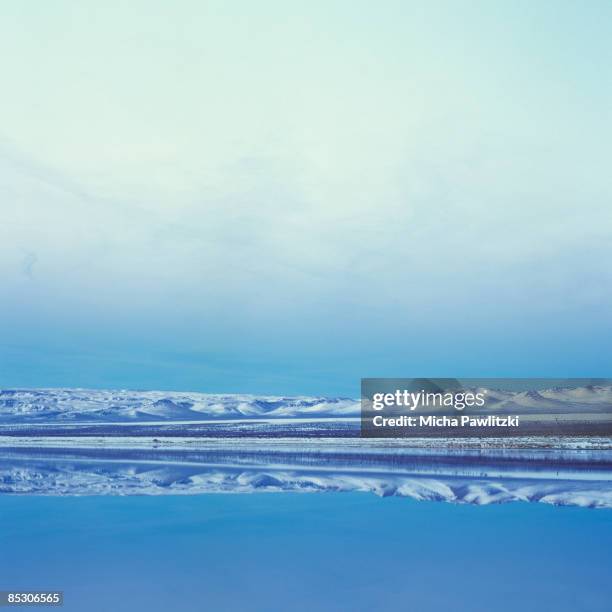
[87,405]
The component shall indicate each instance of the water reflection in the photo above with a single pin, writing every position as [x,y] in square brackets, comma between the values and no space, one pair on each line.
[569,477]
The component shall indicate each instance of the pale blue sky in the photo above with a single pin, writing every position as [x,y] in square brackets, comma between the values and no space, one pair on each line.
[285,196]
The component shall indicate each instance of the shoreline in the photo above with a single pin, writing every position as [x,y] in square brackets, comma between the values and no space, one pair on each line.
[501,443]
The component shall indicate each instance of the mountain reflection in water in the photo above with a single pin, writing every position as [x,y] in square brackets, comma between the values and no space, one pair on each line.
[557,477]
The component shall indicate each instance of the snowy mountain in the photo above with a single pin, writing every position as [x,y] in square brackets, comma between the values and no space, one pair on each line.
[97,406]
[87,405]
[592,398]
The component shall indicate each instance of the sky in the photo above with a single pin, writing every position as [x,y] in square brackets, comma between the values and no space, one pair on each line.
[284,197]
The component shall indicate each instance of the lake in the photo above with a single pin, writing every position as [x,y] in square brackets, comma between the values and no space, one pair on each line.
[297,551]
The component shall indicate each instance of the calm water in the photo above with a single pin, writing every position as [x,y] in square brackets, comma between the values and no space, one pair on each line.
[292,551]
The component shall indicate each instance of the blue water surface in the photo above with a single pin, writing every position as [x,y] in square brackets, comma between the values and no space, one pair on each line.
[305,552]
